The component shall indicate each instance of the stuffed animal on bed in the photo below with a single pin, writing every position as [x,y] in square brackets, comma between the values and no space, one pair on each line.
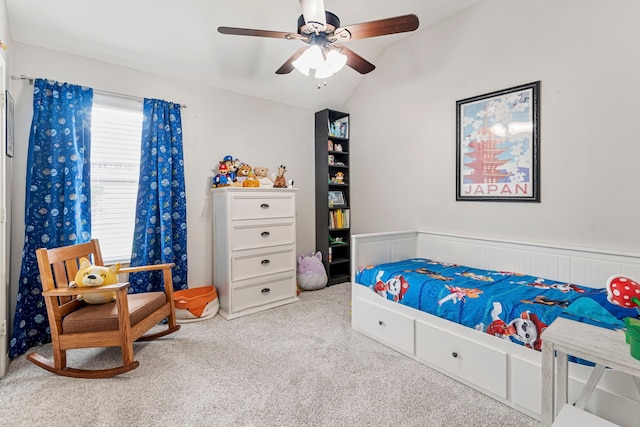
[96,275]
[311,272]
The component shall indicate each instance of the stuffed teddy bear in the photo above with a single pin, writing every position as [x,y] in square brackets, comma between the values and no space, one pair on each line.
[251,181]
[262,175]
[95,275]
[311,273]
[243,173]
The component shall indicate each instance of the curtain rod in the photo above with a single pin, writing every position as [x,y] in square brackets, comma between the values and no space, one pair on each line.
[102,92]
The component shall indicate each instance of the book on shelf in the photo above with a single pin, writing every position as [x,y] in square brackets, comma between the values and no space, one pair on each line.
[339,218]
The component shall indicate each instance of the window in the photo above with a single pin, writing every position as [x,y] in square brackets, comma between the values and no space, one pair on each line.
[116,132]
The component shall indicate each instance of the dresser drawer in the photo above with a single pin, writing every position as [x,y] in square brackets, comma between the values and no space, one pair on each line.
[263,293]
[248,236]
[390,327]
[257,206]
[466,359]
[261,263]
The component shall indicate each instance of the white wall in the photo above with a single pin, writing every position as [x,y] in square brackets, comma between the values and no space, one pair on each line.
[215,123]
[586,55]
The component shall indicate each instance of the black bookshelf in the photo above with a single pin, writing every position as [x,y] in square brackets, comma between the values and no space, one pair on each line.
[333,212]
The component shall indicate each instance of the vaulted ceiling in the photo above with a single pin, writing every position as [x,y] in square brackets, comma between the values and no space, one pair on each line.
[179,39]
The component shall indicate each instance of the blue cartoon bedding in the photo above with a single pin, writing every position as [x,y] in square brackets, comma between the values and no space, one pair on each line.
[511,306]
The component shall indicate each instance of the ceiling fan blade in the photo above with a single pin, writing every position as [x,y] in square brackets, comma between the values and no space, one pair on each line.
[314,13]
[288,67]
[258,33]
[355,61]
[382,27]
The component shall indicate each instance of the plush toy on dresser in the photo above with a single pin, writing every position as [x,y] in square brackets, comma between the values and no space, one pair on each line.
[94,276]
[251,180]
[311,272]
[242,174]
[222,178]
[262,175]
[227,172]
[232,166]
[280,181]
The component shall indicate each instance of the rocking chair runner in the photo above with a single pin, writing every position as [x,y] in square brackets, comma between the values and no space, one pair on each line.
[75,324]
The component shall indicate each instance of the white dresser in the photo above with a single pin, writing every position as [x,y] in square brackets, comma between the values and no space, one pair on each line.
[254,248]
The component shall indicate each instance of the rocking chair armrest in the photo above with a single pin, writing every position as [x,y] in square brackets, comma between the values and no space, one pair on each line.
[146,268]
[67,292]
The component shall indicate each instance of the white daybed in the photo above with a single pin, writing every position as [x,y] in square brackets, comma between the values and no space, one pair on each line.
[505,371]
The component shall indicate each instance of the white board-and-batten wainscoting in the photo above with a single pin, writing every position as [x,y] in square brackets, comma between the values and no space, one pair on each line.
[503,370]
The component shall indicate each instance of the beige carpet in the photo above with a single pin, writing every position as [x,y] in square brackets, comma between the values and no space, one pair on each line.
[296,365]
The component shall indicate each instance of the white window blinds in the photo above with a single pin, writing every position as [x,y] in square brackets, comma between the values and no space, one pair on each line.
[116,128]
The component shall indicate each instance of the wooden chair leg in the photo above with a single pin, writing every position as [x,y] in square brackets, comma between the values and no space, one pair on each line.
[172,319]
[127,353]
[59,358]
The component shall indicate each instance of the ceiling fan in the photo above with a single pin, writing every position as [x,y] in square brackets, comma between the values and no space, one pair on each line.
[321,30]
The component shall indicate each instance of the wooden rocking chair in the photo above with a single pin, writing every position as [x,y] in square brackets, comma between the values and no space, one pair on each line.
[75,324]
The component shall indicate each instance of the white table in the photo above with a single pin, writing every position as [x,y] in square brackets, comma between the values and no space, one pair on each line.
[604,347]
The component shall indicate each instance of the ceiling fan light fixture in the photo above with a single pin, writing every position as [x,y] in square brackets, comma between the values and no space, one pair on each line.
[323,71]
[336,60]
[310,59]
[323,65]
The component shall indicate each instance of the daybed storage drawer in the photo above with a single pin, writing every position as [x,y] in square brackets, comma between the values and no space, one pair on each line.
[481,365]
[526,383]
[263,206]
[389,327]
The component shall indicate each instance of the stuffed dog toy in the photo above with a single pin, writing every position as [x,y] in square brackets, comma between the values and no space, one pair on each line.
[96,275]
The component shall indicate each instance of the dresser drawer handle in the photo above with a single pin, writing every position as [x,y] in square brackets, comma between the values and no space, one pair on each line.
[265,234]
[265,262]
[265,291]
[380,322]
[454,354]
[265,206]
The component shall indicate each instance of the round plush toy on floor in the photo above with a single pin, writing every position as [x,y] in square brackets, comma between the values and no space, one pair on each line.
[311,272]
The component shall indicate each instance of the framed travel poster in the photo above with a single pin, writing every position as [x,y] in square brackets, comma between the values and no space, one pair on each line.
[497,146]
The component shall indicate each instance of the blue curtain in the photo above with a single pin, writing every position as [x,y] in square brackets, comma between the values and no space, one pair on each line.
[160,234]
[57,201]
